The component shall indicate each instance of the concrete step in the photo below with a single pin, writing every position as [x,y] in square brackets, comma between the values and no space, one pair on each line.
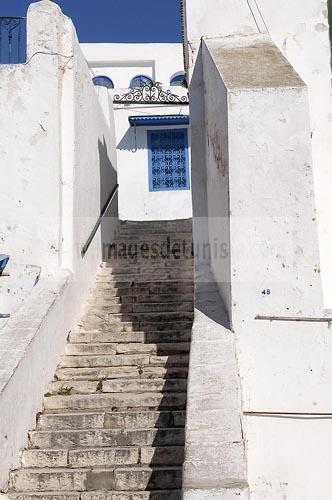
[124,372]
[111,420]
[116,401]
[82,349]
[87,438]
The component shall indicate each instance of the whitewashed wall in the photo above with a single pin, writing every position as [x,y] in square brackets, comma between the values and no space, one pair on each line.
[121,62]
[300,30]
[58,165]
[260,199]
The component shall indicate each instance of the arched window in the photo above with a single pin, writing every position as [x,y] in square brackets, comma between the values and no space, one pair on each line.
[141,81]
[103,81]
[178,80]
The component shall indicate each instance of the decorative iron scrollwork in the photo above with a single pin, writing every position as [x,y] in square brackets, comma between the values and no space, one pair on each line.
[10,26]
[153,94]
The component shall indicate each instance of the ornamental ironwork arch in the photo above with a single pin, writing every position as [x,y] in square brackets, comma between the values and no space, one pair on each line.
[153,94]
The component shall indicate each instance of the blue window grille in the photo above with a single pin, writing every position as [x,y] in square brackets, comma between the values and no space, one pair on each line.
[103,81]
[168,160]
[178,80]
[141,81]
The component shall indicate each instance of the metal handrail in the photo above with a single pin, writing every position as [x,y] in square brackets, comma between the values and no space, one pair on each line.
[308,319]
[100,218]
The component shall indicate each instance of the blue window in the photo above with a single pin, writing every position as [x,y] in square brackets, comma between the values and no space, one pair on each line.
[141,81]
[178,80]
[168,160]
[103,81]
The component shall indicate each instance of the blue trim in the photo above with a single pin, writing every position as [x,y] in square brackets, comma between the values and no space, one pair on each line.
[155,120]
[185,138]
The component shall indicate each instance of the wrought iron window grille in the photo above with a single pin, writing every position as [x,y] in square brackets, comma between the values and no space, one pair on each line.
[11,39]
[153,94]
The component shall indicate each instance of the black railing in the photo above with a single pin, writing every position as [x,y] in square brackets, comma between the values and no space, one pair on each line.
[12,30]
[100,218]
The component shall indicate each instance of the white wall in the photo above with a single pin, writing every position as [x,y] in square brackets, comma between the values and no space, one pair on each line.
[58,166]
[122,61]
[300,30]
[258,150]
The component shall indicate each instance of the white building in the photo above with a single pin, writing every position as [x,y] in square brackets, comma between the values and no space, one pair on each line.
[138,123]
[251,166]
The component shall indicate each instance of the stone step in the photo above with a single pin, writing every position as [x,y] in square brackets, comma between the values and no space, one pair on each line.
[134,495]
[130,337]
[92,457]
[104,360]
[111,420]
[117,401]
[130,264]
[134,307]
[87,438]
[157,274]
[99,495]
[125,479]
[145,385]
[45,495]
[140,360]
[142,298]
[112,288]
[82,349]
[124,372]
[102,457]
[101,317]
[103,325]
[95,336]
[68,387]
[147,478]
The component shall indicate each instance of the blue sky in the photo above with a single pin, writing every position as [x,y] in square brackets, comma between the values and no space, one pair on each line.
[115,20]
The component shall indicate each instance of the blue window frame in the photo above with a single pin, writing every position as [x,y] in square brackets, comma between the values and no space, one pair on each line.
[103,81]
[168,160]
[141,81]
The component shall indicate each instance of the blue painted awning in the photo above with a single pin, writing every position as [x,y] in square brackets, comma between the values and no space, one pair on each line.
[155,120]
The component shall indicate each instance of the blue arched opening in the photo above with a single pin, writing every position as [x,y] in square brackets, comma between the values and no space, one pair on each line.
[178,80]
[103,81]
[141,81]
